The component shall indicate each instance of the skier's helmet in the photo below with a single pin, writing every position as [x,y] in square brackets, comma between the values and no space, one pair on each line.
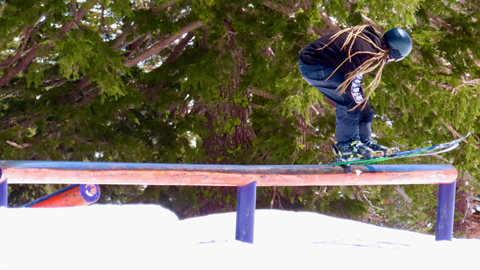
[399,42]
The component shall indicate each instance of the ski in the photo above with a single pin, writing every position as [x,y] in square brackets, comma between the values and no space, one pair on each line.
[424,151]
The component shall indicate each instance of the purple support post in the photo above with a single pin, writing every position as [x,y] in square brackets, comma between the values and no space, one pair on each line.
[445,212]
[3,192]
[246,201]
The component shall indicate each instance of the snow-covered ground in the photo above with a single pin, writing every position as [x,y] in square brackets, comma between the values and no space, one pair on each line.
[151,237]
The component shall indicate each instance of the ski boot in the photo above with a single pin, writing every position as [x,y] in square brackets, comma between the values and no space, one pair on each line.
[355,150]
[372,144]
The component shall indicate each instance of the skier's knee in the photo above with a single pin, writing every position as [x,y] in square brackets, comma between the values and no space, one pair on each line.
[369,116]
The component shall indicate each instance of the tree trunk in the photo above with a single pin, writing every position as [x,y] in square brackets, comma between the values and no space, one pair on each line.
[225,112]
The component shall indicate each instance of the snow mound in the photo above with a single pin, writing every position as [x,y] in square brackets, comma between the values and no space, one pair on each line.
[151,237]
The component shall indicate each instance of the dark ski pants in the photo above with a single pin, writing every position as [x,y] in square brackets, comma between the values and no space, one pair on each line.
[350,125]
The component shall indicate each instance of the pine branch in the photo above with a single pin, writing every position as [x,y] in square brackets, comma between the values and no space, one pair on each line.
[162,44]
[456,7]
[402,193]
[285,9]
[20,66]
[368,21]
[8,93]
[124,35]
[332,25]
[27,122]
[79,139]
[274,191]
[162,6]
[268,51]
[366,199]
[440,85]
[457,134]
[230,33]
[436,21]
[26,32]
[179,48]
[469,83]
[329,28]
[28,58]
[135,45]
[54,83]
[83,83]
[318,194]
[102,19]
[182,15]
[77,16]
[262,94]
[20,146]
[127,31]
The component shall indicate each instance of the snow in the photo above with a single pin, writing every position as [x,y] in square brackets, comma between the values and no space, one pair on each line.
[151,237]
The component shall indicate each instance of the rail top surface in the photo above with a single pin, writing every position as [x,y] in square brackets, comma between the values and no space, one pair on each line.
[69,172]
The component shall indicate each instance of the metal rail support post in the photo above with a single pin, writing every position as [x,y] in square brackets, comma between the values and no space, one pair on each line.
[445,212]
[3,193]
[246,201]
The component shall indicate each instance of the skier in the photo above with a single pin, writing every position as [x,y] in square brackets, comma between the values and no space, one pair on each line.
[335,65]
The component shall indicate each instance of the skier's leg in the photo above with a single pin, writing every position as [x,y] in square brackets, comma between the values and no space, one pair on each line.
[351,125]
[365,127]
[347,125]
[347,122]
[348,144]
[365,132]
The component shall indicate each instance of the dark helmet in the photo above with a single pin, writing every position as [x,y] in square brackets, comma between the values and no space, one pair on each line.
[399,42]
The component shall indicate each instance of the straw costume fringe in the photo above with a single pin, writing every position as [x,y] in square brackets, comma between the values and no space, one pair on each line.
[378,60]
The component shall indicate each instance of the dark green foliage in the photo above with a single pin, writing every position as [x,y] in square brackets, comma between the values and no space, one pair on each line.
[231,94]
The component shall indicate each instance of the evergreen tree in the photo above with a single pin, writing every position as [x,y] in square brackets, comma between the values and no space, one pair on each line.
[217,82]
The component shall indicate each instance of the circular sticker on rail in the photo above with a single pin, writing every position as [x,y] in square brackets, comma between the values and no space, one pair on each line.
[90,192]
